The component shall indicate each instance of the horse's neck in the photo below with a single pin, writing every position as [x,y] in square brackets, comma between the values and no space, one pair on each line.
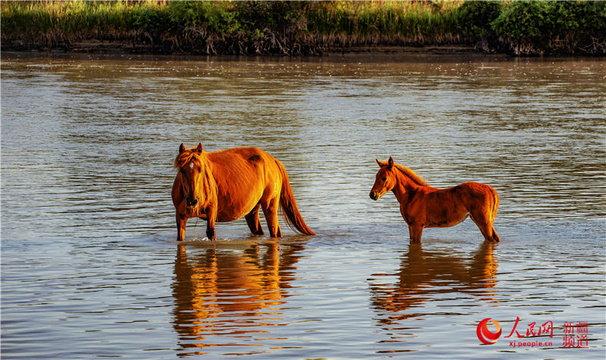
[405,188]
[210,185]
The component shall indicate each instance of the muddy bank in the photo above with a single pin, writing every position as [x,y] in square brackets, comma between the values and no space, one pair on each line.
[127,47]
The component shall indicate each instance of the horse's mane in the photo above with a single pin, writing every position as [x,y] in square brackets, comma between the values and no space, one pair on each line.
[183,158]
[411,175]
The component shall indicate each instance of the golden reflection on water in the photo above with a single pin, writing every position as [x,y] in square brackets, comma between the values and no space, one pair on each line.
[223,297]
[426,275]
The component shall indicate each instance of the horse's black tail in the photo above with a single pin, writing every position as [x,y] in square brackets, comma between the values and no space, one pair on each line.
[289,205]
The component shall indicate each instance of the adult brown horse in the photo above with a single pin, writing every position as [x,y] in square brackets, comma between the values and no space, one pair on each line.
[229,184]
[424,206]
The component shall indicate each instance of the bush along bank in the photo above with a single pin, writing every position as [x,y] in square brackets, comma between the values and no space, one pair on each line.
[305,28]
[549,27]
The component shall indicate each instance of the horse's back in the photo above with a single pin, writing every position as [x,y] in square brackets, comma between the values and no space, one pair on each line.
[471,190]
[478,189]
[241,161]
[249,154]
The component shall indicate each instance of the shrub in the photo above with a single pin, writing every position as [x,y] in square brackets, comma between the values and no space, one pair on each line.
[475,17]
[536,27]
[522,20]
[215,17]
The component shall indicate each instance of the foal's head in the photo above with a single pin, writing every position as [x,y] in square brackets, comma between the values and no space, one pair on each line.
[385,180]
[190,165]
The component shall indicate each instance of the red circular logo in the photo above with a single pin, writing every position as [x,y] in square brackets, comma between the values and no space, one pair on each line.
[486,336]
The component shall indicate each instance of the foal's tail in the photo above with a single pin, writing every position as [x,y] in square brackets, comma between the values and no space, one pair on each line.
[495,205]
[493,214]
[289,205]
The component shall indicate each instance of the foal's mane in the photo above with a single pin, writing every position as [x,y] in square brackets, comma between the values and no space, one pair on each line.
[183,158]
[411,175]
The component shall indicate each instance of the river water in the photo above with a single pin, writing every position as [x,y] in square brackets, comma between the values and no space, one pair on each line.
[90,263]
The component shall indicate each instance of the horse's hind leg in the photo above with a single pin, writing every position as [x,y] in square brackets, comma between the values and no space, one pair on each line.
[485,226]
[270,210]
[252,219]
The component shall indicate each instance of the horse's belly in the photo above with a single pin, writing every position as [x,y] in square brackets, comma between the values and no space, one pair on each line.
[448,220]
[235,210]
[227,217]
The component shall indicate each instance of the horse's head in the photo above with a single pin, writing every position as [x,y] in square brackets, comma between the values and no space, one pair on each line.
[191,171]
[385,180]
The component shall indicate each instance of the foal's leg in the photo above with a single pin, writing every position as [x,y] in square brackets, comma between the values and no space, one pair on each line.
[485,226]
[495,237]
[415,232]
[252,219]
[270,209]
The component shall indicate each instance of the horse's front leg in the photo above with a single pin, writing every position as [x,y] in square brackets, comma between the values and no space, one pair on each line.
[181,222]
[210,232]
[210,225]
[415,227]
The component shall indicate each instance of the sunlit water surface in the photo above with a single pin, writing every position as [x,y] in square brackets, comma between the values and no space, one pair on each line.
[91,268]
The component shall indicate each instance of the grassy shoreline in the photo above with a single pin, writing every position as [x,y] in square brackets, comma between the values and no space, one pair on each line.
[306,28]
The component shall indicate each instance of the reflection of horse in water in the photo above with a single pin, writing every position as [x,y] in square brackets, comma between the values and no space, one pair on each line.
[230,292]
[424,274]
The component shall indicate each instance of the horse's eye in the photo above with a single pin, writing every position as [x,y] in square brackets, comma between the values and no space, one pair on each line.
[384,179]
[182,171]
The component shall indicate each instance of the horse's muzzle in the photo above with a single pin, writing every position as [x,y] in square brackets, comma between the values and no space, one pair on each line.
[374,195]
[191,201]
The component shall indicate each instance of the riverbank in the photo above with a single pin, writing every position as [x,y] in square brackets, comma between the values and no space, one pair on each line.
[303,28]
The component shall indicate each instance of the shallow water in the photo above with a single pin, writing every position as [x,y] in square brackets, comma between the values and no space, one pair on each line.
[91,268]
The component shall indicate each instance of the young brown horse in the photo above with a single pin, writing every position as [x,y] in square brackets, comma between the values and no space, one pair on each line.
[424,206]
[227,185]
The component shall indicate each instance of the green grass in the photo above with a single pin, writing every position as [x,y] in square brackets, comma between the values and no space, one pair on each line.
[387,18]
[69,16]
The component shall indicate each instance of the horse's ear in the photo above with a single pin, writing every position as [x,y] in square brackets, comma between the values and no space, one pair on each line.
[181,148]
[390,162]
[199,148]
[381,163]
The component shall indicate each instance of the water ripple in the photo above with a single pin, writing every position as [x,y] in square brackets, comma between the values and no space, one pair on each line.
[90,265]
